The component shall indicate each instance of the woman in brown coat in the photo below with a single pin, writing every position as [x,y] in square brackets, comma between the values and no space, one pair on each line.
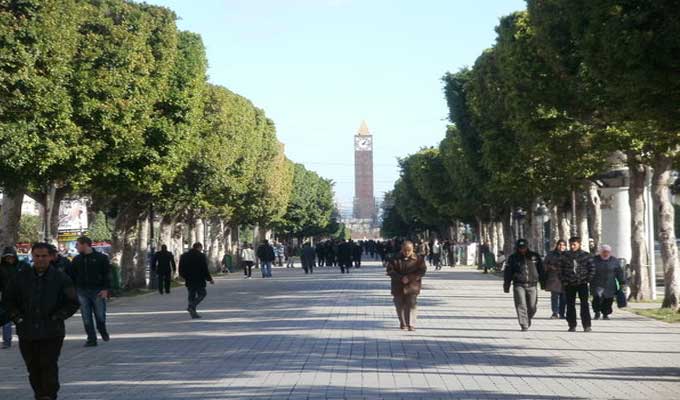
[553,263]
[406,270]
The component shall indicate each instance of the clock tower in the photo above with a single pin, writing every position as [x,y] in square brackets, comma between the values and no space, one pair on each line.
[364,200]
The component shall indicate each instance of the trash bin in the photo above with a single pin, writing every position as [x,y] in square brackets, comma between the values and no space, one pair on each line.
[229,262]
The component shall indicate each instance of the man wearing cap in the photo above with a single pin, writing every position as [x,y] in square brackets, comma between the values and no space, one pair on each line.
[576,274]
[9,266]
[524,270]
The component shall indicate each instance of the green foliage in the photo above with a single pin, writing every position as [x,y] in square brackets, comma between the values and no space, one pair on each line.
[30,228]
[99,229]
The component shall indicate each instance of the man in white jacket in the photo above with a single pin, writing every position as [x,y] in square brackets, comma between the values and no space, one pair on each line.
[248,257]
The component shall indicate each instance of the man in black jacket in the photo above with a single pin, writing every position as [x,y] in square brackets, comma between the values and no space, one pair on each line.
[265,254]
[38,300]
[345,256]
[91,273]
[193,268]
[524,270]
[576,274]
[10,265]
[163,263]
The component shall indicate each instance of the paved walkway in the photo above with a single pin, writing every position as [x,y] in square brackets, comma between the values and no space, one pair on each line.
[334,336]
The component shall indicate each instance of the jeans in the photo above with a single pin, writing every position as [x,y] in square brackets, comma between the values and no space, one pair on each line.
[582,292]
[526,298]
[602,305]
[7,333]
[266,269]
[558,303]
[42,361]
[196,296]
[248,268]
[91,303]
[164,280]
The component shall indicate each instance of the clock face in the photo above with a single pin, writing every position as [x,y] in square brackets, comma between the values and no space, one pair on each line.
[363,143]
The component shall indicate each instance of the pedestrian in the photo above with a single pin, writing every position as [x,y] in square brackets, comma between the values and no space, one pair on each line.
[279,252]
[39,300]
[488,258]
[58,261]
[357,253]
[266,255]
[606,283]
[91,274]
[345,256]
[290,254]
[193,268]
[553,264]
[406,270]
[307,258]
[163,262]
[10,265]
[524,271]
[423,249]
[576,274]
[248,258]
[437,255]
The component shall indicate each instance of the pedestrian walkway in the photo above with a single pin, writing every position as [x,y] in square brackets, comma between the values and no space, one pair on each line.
[333,336]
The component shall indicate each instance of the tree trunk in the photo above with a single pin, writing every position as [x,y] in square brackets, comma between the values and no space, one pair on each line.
[565,223]
[661,181]
[178,239]
[192,237]
[595,211]
[10,216]
[639,283]
[141,252]
[200,231]
[582,220]
[508,243]
[214,244]
[536,230]
[500,237]
[554,226]
[165,232]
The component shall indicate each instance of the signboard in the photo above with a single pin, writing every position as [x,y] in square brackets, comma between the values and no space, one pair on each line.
[73,216]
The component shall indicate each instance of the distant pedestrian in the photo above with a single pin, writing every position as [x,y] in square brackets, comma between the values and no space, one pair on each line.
[10,265]
[91,273]
[357,253]
[39,300]
[553,264]
[266,255]
[575,276]
[193,268]
[163,262]
[406,270]
[248,258]
[606,283]
[58,261]
[307,258]
[437,254]
[290,254]
[524,271]
[345,256]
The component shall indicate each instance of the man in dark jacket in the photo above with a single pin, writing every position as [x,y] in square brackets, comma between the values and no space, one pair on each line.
[10,265]
[38,300]
[576,274]
[193,268]
[265,253]
[357,252]
[91,273]
[163,263]
[345,256]
[58,261]
[524,270]
[307,257]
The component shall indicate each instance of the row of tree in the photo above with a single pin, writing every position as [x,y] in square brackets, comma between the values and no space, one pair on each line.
[108,99]
[570,89]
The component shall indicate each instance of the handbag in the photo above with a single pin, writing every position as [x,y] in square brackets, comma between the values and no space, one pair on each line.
[621,299]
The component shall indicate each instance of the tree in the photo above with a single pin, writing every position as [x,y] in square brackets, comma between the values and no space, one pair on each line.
[29,229]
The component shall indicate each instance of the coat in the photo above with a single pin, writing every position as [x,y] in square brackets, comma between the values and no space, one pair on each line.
[607,273]
[413,268]
[524,269]
[163,262]
[9,271]
[308,257]
[40,304]
[579,269]
[91,271]
[193,268]
[553,264]
[266,253]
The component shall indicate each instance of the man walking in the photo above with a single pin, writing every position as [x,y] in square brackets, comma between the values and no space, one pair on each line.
[345,256]
[248,258]
[163,263]
[524,270]
[265,253]
[10,265]
[193,268]
[91,273]
[307,258]
[576,274]
[357,253]
[436,255]
[39,300]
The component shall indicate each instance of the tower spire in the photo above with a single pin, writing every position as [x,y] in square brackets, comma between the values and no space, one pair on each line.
[363,129]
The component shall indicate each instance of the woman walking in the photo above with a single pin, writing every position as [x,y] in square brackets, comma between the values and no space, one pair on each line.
[553,264]
[406,270]
[606,283]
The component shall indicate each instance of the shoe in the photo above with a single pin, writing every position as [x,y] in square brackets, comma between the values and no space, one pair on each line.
[402,327]
[572,329]
[606,318]
[90,344]
[105,336]
[588,329]
[525,329]
[411,328]
[554,316]
[195,315]
[597,316]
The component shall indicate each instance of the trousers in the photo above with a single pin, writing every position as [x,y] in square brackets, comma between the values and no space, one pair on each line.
[526,299]
[407,308]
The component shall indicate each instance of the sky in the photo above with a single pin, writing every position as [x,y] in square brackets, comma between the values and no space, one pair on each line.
[320,67]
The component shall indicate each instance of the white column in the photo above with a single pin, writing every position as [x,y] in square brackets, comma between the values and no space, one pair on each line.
[616,221]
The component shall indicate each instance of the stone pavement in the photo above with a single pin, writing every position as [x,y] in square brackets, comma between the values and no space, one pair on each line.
[330,336]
